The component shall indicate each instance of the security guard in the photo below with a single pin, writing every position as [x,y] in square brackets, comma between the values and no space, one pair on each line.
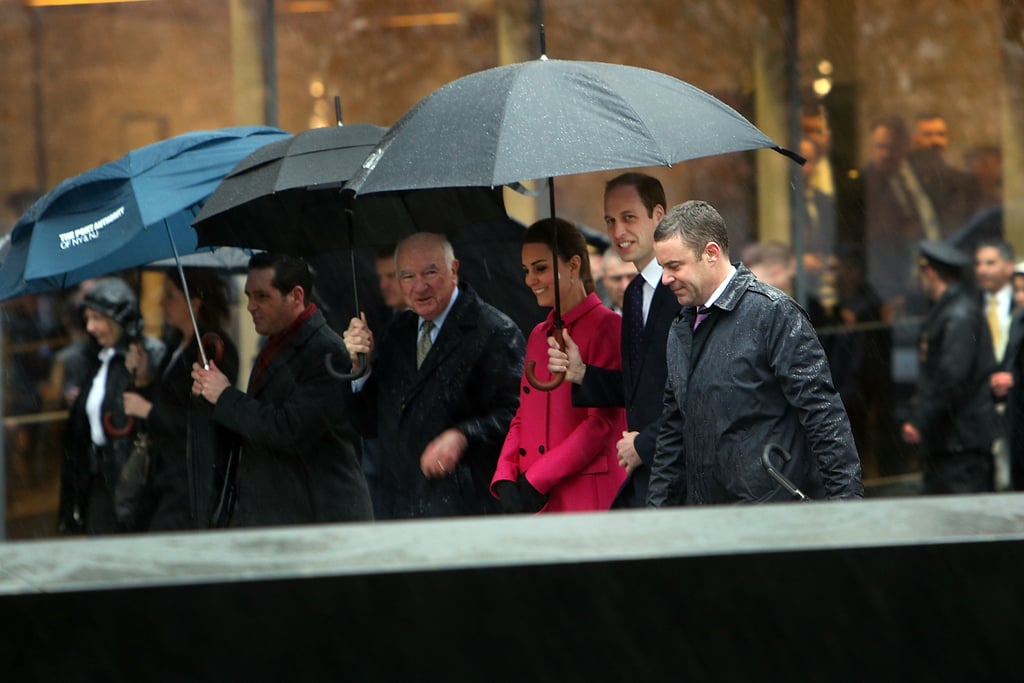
[951,412]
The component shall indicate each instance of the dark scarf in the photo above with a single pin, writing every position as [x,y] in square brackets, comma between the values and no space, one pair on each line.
[278,341]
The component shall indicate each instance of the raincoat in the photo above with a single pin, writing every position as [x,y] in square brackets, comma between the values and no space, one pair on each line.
[752,374]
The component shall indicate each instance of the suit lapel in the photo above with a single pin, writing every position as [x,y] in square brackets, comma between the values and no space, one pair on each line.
[447,343]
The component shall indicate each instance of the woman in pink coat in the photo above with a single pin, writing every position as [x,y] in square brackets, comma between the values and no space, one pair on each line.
[558,458]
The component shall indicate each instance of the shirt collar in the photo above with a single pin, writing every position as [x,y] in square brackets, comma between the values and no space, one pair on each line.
[715,295]
[652,273]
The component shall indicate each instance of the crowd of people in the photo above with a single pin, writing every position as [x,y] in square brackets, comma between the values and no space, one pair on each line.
[670,376]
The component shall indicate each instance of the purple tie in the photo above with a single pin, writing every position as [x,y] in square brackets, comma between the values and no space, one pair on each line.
[702,312]
[633,315]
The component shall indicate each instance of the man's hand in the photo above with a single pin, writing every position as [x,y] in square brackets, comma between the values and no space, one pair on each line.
[910,434]
[209,384]
[443,453]
[358,339]
[567,361]
[1001,383]
[629,459]
[136,406]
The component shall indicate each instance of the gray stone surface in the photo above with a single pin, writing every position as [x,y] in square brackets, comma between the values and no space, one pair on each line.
[85,564]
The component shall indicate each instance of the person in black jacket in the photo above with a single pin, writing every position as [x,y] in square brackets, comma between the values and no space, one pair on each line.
[746,373]
[441,391]
[951,412]
[633,205]
[99,440]
[178,426]
[295,454]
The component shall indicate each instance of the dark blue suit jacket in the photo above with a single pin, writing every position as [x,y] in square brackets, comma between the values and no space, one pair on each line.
[639,389]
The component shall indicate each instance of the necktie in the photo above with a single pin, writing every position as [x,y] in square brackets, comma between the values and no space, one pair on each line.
[423,347]
[633,316]
[702,312]
[992,313]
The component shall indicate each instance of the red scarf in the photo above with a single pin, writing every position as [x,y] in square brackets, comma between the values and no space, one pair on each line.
[278,341]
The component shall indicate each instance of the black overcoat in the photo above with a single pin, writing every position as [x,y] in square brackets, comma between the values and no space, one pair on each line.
[297,461]
[468,381]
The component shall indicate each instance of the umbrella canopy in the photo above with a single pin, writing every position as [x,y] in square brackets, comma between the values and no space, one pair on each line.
[286,197]
[120,214]
[548,118]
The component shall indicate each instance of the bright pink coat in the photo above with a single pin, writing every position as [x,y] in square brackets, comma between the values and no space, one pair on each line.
[568,453]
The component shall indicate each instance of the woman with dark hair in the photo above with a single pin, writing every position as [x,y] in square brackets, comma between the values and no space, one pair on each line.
[98,445]
[174,421]
[558,458]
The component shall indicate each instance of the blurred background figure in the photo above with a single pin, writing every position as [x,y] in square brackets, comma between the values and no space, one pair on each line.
[951,414]
[616,275]
[384,264]
[1015,398]
[178,425]
[993,272]
[985,164]
[94,455]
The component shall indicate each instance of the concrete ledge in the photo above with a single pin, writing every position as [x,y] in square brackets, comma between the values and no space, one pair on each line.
[899,588]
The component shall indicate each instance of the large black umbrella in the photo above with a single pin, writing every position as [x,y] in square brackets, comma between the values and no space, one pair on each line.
[547,118]
[286,197]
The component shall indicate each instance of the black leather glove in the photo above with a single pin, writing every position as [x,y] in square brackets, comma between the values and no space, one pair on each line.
[508,494]
[533,500]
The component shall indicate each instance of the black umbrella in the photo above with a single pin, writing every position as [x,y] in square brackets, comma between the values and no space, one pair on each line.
[547,118]
[286,197]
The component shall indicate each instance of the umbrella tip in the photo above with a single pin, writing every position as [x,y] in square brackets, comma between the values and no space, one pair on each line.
[337,108]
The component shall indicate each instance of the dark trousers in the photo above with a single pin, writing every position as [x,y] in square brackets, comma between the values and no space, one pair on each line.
[961,472]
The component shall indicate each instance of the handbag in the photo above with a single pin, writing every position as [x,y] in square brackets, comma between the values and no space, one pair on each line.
[132,481]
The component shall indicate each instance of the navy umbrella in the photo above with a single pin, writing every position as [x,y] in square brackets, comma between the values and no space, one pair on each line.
[124,213]
[547,118]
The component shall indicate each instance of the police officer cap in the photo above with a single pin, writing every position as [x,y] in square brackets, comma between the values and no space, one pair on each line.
[113,298]
[943,254]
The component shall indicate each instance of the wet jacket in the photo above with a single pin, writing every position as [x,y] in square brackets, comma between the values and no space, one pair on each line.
[568,453]
[752,374]
[952,405]
[298,461]
[468,381]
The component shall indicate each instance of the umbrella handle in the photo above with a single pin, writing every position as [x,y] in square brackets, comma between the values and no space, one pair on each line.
[358,371]
[214,346]
[766,462]
[552,383]
[117,432]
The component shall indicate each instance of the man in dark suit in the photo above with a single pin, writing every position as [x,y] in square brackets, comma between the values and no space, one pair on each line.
[634,203]
[441,391]
[295,459]
[993,271]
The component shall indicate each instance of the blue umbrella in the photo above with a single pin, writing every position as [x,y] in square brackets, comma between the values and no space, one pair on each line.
[125,213]
[119,215]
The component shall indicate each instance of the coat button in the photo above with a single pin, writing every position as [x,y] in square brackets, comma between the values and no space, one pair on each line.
[541,450]
[522,451]
[526,388]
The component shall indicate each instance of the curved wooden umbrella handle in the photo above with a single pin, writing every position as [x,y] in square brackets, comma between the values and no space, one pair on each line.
[552,383]
[114,431]
[214,347]
[358,371]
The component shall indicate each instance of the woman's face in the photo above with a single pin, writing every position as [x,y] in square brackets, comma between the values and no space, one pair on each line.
[174,308]
[539,275]
[103,329]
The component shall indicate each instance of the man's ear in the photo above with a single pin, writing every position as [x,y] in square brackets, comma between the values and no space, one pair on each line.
[299,293]
[713,251]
